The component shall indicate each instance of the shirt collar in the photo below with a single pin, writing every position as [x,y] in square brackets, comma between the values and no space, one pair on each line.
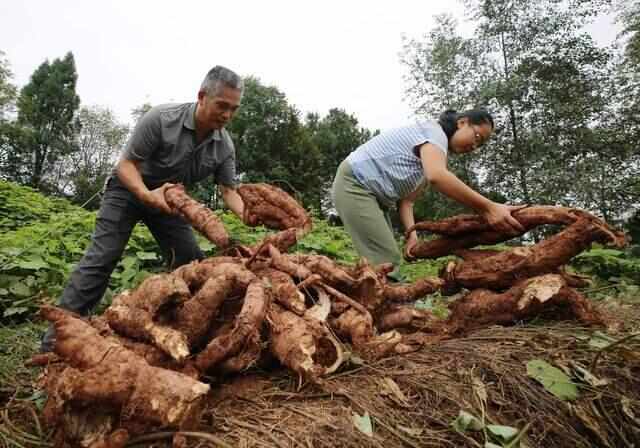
[190,123]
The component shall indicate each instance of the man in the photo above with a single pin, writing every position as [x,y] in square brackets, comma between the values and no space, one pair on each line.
[172,143]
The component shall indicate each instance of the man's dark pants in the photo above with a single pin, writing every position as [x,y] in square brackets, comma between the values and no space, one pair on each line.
[119,212]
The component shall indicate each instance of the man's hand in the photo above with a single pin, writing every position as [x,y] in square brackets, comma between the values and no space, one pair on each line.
[155,199]
[499,218]
[233,200]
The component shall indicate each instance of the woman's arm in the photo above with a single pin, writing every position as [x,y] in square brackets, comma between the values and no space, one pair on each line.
[434,164]
[405,210]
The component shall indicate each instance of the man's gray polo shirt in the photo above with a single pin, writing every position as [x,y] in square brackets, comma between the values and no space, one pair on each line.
[164,140]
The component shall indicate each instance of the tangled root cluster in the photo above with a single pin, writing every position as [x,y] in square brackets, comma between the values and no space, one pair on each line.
[139,365]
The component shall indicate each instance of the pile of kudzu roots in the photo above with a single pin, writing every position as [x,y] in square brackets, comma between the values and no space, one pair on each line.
[139,366]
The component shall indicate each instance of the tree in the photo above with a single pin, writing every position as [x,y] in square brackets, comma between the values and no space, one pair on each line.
[445,71]
[335,135]
[99,141]
[8,133]
[273,146]
[548,86]
[138,112]
[7,89]
[629,16]
[46,109]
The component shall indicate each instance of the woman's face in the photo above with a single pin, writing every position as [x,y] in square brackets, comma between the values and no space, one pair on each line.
[469,136]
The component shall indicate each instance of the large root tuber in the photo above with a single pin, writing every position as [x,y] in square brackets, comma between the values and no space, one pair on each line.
[248,322]
[482,307]
[200,217]
[273,207]
[464,231]
[107,376]
[506,268]
[133,313]
[304,345]
[284,290]
[233,312]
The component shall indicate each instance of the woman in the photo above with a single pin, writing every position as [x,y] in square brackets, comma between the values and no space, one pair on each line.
[395,166]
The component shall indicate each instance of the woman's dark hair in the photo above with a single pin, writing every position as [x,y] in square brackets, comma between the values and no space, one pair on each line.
[448,119]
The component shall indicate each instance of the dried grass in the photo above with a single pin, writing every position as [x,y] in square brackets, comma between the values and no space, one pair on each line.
[483,373]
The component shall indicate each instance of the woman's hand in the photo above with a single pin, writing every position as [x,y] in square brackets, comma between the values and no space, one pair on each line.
[409,245]
[499,218]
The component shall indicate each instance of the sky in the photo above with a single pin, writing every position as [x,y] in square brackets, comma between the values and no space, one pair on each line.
[320,54]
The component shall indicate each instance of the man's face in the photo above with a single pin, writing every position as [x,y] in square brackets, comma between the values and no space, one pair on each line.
[215,111]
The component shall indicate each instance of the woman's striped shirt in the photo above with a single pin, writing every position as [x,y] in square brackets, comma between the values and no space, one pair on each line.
[388,166]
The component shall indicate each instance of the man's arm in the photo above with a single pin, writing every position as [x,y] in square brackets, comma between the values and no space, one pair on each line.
[129,174]
[434,164]
[233,200]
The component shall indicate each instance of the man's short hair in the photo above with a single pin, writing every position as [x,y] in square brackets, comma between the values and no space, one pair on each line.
[220,76]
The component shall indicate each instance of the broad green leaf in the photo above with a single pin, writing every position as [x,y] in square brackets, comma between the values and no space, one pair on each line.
[20,290]
[504,433]
[206,245]
[553,379]
[146,255]
[33,264]
[128,262]
[13,251]
[363,423]
[15,310]
[466,421]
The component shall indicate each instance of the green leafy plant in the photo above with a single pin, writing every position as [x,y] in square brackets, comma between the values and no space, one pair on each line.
[608,263]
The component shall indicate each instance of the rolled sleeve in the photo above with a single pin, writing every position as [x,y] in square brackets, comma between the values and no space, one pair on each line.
[146,137]
[226,172]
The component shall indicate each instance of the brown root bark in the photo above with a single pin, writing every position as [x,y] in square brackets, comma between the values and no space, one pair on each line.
[413,291]
[330,271]
[200,217]
[573,280]
[284,290]
[289,264]
[355,326]
[482,307]
[107,376]
[506,268]
[406,317]
[466,231]
[153,355]
[529,217]
[273,207]
[194,318]
[385,344]
[196,273]
[303,345]
[283,241]
[248,322]
[368,286]
[133,313]
[216,309]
